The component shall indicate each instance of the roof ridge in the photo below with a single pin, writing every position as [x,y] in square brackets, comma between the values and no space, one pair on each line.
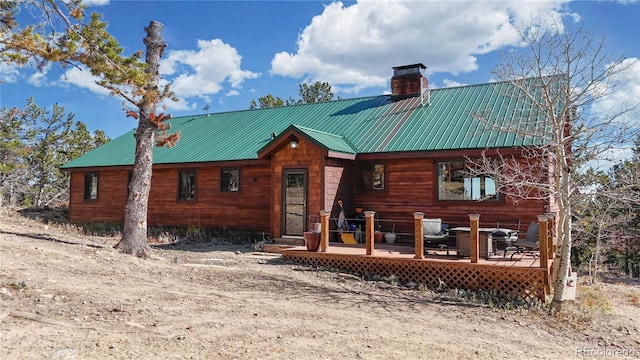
[318,131]
[494,82]
[275,107]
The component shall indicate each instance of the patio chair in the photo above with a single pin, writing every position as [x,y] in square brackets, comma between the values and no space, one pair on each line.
[435,234]
[530,244]
[506,237]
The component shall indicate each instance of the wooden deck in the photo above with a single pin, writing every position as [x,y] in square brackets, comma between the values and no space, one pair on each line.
[405,251]
[521,277]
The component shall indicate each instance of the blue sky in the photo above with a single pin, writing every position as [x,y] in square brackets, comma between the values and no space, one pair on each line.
[226,53]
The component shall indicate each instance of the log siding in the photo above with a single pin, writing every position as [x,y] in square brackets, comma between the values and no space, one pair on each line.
[410,186]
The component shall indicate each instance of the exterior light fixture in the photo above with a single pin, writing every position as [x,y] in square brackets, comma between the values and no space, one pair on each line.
[294,144]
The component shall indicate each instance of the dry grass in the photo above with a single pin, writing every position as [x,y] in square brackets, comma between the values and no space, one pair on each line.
[591,305]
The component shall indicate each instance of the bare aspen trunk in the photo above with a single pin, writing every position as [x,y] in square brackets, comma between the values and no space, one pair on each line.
[591,269]
[134,237]
[597,255]
[562,263]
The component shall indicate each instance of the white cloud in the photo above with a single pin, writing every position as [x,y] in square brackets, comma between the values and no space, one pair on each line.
[451,83]
[95,2]
[609,158]
[180,105]
[205,71]
[81,77]
[625,2]
[624,99]
[353,47]
[617,103]
[9,73]
[191,73]
[39,78]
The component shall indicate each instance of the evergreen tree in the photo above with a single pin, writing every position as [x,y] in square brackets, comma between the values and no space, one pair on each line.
[88,43]
[318,92]
[46,136]
[13,154]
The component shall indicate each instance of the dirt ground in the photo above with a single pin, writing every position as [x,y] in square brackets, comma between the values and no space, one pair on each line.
[66,296]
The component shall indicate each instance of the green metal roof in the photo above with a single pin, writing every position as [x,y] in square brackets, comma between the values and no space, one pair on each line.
[363,125]
[331,142]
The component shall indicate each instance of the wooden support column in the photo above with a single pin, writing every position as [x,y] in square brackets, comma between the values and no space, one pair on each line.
[552,234]
[419,231]
[324,230]
[543,238]
[368,215]
[474,237]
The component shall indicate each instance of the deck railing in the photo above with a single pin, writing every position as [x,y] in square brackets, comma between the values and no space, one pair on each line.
[546,225]
[529,283]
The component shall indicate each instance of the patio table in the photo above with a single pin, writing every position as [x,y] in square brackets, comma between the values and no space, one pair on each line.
[463,239]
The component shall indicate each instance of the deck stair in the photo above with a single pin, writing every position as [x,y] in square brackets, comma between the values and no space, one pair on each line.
[282,243]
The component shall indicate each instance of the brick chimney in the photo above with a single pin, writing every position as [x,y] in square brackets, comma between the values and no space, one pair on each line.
[408,79]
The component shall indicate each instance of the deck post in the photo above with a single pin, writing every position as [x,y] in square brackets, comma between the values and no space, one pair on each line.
[369,230]
[474,237]
[419,231]
[553,231]
[324,230]
[543,238]
[552,234]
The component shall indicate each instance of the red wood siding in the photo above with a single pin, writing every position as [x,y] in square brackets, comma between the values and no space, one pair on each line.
[411,186]
[112,196]
[306,156]
[212,208]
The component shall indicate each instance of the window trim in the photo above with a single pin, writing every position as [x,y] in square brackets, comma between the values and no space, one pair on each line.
[96,175]
[496,199]
[195,185]
[239,181]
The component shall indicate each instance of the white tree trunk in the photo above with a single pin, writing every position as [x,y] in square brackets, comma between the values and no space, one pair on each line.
[562,263]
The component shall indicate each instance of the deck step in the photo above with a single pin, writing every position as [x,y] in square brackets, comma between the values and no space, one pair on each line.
[289,241]
[276,248]
[280,244]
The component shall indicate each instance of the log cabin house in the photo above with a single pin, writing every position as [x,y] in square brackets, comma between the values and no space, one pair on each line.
[272,169]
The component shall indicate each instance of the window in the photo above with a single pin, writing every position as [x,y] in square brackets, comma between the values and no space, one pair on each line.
[187,185]
[373,176]
[230,180]
[91,186]
[454,183]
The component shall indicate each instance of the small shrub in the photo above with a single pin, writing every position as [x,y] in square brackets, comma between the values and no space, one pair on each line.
[195,232]
[495,299]
[18,285]
[100,229]
[392,280]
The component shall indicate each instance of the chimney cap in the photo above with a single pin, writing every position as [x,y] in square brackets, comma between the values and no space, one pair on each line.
[420,65]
